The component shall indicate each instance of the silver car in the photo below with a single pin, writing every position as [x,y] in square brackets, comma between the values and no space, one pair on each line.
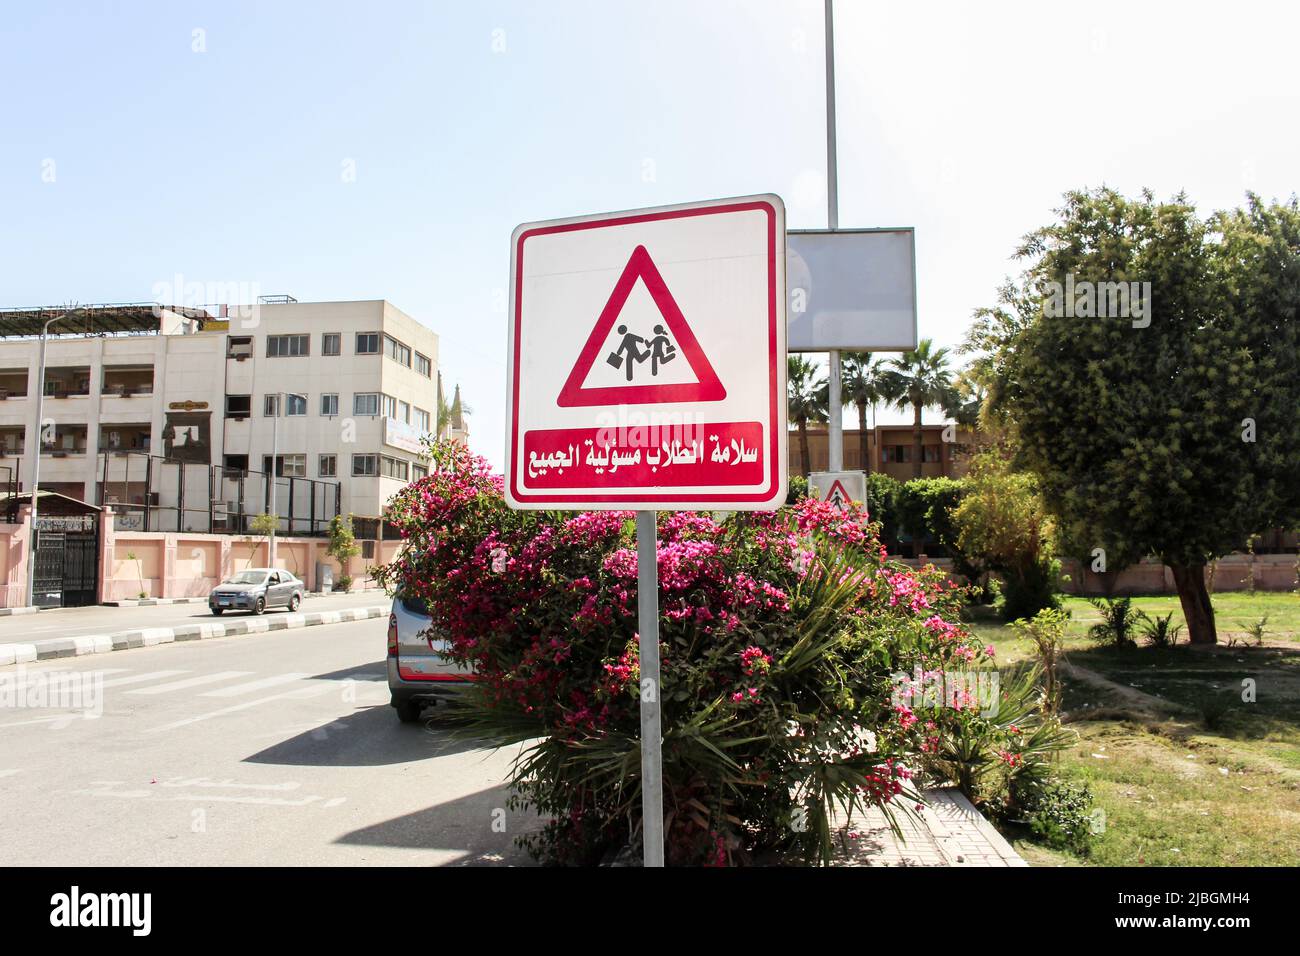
[256,589]
[419,673]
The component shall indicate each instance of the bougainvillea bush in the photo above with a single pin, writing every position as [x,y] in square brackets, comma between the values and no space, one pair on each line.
[781,638]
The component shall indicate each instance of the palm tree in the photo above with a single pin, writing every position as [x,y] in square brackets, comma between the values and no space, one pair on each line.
[922,378]
[866,383]
[807,397]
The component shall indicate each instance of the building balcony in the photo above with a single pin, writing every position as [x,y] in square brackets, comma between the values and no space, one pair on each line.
[127,380]
[13,383]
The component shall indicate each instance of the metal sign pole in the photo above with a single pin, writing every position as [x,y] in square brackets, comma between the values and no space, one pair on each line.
[647,590]
[835,403]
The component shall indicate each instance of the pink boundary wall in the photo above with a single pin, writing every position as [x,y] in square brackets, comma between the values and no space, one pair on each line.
[168,564]
[1271,572]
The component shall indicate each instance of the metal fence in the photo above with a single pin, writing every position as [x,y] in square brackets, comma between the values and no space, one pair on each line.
[152,493]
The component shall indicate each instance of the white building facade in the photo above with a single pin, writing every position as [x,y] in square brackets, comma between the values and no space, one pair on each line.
[175,426]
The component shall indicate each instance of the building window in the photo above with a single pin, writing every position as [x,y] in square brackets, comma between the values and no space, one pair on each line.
[271,406]
[328,466]
[287,466]
[897,453]
[295,404]
[239,347]
[398,352]
[239,406]
[421,419]
[389,406]
[930,453]
[365,465]
[330,343]
[288,346]
[394,468]
[404,412]
[365,403]
[419,471]
[423,365]
[367,343]
[329,404]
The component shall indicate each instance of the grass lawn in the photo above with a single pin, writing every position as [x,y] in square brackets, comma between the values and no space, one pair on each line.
[1187,772]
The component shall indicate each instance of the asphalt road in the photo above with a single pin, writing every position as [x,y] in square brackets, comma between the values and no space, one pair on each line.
[97,619]
[276,748]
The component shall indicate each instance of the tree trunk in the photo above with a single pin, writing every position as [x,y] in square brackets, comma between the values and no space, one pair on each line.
[1195,599]
[864,448]
[803,447]
[918,442]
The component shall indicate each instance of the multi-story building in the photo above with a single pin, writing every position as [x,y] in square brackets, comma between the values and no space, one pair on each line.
[173,415]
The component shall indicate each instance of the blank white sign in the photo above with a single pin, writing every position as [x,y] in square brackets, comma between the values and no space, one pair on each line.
[851,289]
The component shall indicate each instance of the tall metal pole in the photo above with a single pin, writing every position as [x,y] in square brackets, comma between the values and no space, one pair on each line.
[36,462]
[834,413]
[652,784]
[275,442]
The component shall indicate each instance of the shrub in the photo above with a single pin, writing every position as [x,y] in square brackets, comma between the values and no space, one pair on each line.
[344,583]
[1257,630]
[1160,631]
[986,753]
[1058,813]
[343,543]
[783,638]
[1118,622]
[797,489]
[882,502]
[1003,521]
[1046,633]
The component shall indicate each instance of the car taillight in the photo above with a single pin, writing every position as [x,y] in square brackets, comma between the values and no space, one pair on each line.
[392,635]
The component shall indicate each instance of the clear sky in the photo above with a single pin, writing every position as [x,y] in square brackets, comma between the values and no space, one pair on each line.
[345,150]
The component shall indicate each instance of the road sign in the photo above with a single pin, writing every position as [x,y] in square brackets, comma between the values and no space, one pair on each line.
[839,487]
[647,359]
[852,289]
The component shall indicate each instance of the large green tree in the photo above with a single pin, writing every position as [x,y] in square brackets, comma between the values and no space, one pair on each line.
[1170,428]
[919,378]
[807,398]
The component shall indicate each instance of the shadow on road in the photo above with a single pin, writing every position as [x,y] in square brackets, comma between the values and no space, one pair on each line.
[376,671]
[479,824]
[370,737]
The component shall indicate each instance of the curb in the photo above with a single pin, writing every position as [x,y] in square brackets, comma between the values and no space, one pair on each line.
[150,636]
[155,602]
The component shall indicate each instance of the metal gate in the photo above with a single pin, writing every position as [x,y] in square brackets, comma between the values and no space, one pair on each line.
[67,568]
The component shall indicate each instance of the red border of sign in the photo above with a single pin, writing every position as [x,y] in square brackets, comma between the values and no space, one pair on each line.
[774,450]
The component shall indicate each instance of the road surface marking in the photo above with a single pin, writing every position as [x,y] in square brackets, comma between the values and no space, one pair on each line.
[254,685]
[190,682]
[301,693]
[141,678]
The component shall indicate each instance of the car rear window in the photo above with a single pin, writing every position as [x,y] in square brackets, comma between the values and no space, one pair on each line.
[415,605]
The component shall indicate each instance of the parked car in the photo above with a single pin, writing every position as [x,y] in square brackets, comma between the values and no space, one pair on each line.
[419,674]
[256,589]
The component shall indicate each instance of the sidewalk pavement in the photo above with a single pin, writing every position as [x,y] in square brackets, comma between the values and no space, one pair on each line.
[949,832]
[149,636]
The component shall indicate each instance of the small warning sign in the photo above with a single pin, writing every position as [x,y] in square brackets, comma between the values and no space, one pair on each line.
[839,488]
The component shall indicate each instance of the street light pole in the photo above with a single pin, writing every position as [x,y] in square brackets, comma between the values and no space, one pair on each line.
[275,441]
[36,460]
[834,413]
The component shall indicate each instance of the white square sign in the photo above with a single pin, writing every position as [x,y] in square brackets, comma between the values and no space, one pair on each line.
[647,359]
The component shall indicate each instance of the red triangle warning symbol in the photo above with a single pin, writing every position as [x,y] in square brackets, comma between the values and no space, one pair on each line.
[837,495]
[708,388]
